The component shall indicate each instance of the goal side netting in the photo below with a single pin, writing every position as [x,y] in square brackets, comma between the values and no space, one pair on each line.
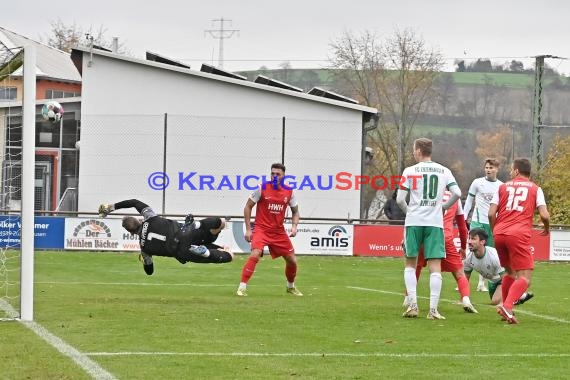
[17,143]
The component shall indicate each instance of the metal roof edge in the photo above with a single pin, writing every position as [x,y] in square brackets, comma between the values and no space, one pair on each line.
[303,95]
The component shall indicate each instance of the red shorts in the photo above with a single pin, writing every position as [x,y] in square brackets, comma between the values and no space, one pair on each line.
[452,261]
[278,242]
[514,252]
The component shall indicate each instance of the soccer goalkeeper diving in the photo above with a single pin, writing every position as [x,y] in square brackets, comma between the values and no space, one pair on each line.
[189,241]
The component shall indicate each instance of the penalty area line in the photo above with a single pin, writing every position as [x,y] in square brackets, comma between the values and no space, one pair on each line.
[73,283]
[335,354]
[519,311]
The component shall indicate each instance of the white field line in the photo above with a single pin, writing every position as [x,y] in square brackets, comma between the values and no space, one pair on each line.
[93,369]
[335,354]
[519,311]
[99,373]
[73,283]
[342,354]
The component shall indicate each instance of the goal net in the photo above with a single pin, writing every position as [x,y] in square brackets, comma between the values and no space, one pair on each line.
[16,274]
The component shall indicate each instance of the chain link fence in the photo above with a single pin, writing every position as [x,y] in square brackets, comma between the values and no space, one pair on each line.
[209,165]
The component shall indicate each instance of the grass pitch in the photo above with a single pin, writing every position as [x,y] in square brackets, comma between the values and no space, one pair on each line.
[185,322]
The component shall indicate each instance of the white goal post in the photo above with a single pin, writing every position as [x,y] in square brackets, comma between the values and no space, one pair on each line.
[17,186]
[28,184]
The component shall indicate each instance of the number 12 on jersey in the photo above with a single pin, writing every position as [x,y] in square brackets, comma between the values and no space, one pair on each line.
[516,196]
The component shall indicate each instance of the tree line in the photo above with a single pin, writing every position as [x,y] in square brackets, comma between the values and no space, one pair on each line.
[484,65]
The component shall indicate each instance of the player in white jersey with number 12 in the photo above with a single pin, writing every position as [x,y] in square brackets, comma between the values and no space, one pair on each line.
[425,182]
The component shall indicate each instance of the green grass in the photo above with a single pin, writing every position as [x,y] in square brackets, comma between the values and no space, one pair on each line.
[348,325]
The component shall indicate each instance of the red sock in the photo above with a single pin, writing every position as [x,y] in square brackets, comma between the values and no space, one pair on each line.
[291,272]
[506,284]
[517,289]
[248,269]
[463,286]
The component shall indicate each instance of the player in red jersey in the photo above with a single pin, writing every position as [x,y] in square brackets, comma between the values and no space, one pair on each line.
[453,261]
[510,217]
[272,199]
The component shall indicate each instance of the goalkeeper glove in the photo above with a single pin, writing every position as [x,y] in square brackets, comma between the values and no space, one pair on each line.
[105,210]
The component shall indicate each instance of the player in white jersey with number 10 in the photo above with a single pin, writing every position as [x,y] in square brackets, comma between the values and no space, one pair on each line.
[425,182]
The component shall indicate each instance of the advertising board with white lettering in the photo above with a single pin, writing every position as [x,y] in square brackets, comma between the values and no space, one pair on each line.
[99,235]
[48,231]
[560,245]
[378,240]
[382,240]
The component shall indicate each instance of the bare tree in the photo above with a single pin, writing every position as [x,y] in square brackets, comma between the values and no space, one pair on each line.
[63,37]
[446,91]
[285,70]
[407,93]
[396,76]
[66,37]
[357,68]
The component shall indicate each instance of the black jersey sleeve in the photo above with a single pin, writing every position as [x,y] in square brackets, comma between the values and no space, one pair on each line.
[145,210]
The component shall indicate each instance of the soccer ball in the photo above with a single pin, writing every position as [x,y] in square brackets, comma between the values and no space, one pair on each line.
[52,111]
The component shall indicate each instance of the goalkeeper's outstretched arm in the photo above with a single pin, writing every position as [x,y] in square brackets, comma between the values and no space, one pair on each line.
[106,209]
[140,206]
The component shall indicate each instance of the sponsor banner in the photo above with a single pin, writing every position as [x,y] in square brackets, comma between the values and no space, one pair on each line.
[323,239]
[560,245]
[382,240]
[98,234]
[48,231]
[378,240]
[311,239]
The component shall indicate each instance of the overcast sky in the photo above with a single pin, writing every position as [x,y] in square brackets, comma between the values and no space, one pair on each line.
[300,31]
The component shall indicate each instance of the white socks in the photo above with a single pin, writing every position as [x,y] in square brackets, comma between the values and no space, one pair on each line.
[411,285]
[435,281]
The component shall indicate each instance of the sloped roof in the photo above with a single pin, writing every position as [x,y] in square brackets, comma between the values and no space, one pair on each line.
[239,82]
[50,62]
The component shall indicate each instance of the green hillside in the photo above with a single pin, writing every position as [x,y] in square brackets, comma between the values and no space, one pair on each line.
[308,78]
[522,80]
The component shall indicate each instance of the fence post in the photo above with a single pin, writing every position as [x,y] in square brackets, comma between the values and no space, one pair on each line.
[283,141]
[164,162]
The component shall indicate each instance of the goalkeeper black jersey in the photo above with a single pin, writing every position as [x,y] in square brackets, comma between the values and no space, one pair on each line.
[158,236]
